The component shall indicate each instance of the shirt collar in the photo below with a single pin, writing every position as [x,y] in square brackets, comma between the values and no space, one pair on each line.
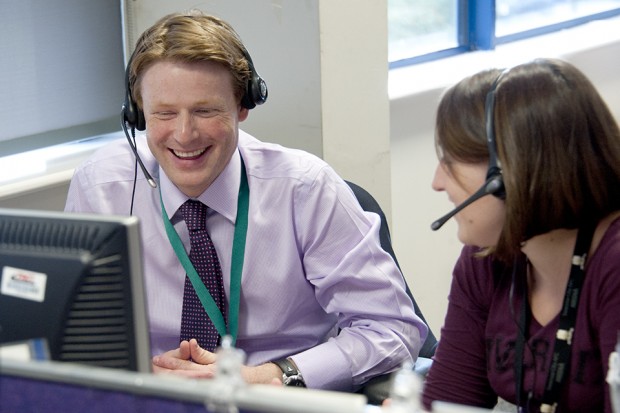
[221,195]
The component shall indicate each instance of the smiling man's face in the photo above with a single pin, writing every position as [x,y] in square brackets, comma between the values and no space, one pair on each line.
[192,121]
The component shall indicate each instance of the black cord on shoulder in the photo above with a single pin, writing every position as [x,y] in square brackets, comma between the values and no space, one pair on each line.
[511,298]
[521,324]
[135,175]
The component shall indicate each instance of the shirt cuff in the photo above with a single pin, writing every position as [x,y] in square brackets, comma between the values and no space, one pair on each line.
[325,367]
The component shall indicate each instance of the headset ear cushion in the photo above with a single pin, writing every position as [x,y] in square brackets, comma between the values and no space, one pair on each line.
[247,101]
[256,92]
[140,121]
[132,115]
[259,89]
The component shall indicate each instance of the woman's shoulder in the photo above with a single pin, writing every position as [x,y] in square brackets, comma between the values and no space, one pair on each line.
[606,230]
[479,277]
[473,260]
[603,267]
[606,242]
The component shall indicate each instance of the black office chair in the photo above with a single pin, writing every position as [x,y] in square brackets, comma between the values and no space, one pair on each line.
[377,389]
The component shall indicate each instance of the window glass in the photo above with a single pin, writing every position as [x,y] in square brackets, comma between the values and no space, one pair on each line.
[61,71]
[422,30]
[418,27]
[514,16]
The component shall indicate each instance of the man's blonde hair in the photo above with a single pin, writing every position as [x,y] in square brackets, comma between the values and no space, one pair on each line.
[190,37]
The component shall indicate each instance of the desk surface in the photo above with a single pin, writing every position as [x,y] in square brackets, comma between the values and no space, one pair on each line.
[64,387]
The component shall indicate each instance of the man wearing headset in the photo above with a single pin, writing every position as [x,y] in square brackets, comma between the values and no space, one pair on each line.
[317,302]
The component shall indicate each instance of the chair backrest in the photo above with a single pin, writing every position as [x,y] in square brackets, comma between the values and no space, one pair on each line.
[368,203]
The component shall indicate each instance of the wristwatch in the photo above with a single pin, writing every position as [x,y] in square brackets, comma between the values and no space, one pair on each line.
[290,375]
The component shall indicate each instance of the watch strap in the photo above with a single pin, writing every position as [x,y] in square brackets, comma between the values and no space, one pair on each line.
[290,374]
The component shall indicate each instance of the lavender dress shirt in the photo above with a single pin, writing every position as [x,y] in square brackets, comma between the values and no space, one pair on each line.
[316,284]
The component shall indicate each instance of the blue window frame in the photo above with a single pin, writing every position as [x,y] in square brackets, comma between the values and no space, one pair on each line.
[484,24]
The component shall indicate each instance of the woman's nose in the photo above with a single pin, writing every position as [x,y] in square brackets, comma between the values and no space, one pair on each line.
[438,183]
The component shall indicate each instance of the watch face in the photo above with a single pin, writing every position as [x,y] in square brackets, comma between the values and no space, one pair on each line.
[294,381]
[290,375]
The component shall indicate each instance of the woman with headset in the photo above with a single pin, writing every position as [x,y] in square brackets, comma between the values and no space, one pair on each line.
[534,306]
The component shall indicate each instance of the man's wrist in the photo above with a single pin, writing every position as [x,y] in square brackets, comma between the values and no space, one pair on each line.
[291,376]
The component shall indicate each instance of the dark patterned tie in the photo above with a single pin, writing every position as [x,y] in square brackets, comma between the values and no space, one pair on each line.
[195,323]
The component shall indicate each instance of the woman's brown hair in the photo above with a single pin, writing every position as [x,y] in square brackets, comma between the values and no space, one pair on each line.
[558,146]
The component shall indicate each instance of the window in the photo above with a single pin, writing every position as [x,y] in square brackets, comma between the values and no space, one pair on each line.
[61,72]
[422,30]
[521,18]
[419,27]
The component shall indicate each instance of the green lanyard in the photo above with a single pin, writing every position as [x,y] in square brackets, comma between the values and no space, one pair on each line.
[236,267]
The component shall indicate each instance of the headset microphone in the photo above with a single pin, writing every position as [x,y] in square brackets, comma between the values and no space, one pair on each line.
[132,115]
[494,184]
[491,186]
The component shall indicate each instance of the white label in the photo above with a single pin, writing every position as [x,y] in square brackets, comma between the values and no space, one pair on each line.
[19,352]
[25,284]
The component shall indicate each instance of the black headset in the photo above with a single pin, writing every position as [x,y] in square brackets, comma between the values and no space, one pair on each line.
[256,90]
[494,179]
[494,182]
[255,94]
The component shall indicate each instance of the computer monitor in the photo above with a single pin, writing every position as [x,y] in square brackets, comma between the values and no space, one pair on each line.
[75,281]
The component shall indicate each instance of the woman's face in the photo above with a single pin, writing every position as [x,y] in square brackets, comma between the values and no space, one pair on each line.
[480,223]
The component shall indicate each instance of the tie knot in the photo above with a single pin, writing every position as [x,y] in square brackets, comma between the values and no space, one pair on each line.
[194,214]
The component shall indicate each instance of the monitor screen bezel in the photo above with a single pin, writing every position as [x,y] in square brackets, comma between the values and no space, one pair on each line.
[137,294]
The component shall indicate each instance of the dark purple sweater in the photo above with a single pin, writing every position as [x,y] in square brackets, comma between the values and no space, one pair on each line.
[474,363]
